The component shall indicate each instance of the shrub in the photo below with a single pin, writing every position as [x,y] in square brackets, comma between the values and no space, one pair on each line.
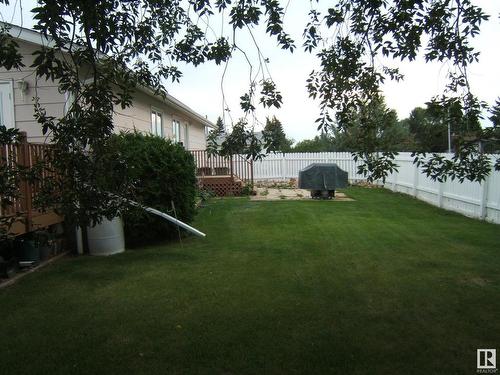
[162,172]
[247,189]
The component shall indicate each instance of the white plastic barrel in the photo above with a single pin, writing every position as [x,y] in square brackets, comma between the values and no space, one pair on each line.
[107,237]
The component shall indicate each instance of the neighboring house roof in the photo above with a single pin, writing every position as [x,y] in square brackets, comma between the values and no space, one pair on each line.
[35,37]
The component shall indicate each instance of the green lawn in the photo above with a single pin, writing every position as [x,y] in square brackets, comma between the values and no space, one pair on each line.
[382,285]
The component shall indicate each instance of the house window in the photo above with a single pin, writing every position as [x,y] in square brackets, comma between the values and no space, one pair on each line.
[69,99]
[156,123]
[186,136]
[6,105]
[176,130]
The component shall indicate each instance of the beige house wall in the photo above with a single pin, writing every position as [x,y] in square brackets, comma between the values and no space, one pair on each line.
[50,97]
[137,117]
[197,138]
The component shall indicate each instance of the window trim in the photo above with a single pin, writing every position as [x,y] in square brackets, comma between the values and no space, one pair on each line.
[176,135]
[12,107]
[186,135]
[69,99]
[157,112]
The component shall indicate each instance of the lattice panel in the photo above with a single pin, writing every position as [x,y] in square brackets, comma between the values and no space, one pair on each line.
[222,187]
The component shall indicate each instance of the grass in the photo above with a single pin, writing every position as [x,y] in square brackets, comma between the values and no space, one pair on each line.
[382,285]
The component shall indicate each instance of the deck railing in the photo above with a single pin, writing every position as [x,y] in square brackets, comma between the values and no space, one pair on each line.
[23,155]
[236,166]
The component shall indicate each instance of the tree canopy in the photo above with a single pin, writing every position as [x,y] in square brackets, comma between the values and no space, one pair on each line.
[320,143]
[431,134]
[386,132]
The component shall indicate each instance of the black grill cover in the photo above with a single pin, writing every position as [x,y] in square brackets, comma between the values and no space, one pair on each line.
[322,176]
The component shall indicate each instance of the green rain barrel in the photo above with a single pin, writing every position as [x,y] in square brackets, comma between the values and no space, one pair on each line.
[28,252]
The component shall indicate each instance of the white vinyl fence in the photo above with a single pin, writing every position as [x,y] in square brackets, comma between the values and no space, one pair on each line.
[285,166]
[468,198]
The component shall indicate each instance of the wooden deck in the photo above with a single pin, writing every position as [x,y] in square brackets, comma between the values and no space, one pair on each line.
[28,218]
[39,220]
[222,175]
[221,186]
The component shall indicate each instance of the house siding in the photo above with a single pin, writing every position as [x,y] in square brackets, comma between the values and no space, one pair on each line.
[50,97]
[137,117]
[197,138]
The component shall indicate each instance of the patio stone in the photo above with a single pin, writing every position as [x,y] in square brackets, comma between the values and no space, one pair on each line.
[276,194]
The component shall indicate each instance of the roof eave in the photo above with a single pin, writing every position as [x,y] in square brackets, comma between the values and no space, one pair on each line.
[35,37]
[178,105]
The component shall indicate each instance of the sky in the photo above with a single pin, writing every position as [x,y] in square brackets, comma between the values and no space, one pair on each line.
[203,87]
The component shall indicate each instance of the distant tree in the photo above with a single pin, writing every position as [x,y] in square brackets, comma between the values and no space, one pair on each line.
[430,125]
[373,124]
[275,137]
[220,125]
[241,140]
[491,141]
[374,136]
[495,114]
[385,132]
[233,142]
[468,141]
[452,113]
[320,143]
[401,137]
[430,131]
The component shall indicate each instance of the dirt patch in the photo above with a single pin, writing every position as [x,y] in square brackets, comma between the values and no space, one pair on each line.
[367,185]
[291,194]
[277,184]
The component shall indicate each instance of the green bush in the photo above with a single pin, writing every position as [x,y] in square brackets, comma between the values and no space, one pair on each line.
[247,189]
[162,172]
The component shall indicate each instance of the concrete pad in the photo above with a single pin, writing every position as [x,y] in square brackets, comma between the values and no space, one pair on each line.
[294,194]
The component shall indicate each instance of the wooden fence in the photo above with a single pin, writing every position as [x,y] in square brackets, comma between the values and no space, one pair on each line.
[26,155]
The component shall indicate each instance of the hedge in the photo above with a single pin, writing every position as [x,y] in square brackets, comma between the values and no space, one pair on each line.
[162,171]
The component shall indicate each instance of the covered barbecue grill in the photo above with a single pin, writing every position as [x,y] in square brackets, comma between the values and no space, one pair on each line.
[322,179]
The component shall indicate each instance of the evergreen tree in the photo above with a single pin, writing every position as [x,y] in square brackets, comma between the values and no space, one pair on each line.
[275,137]
[221,129]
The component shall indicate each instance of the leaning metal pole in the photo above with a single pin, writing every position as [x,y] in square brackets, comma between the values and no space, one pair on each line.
[169,218]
